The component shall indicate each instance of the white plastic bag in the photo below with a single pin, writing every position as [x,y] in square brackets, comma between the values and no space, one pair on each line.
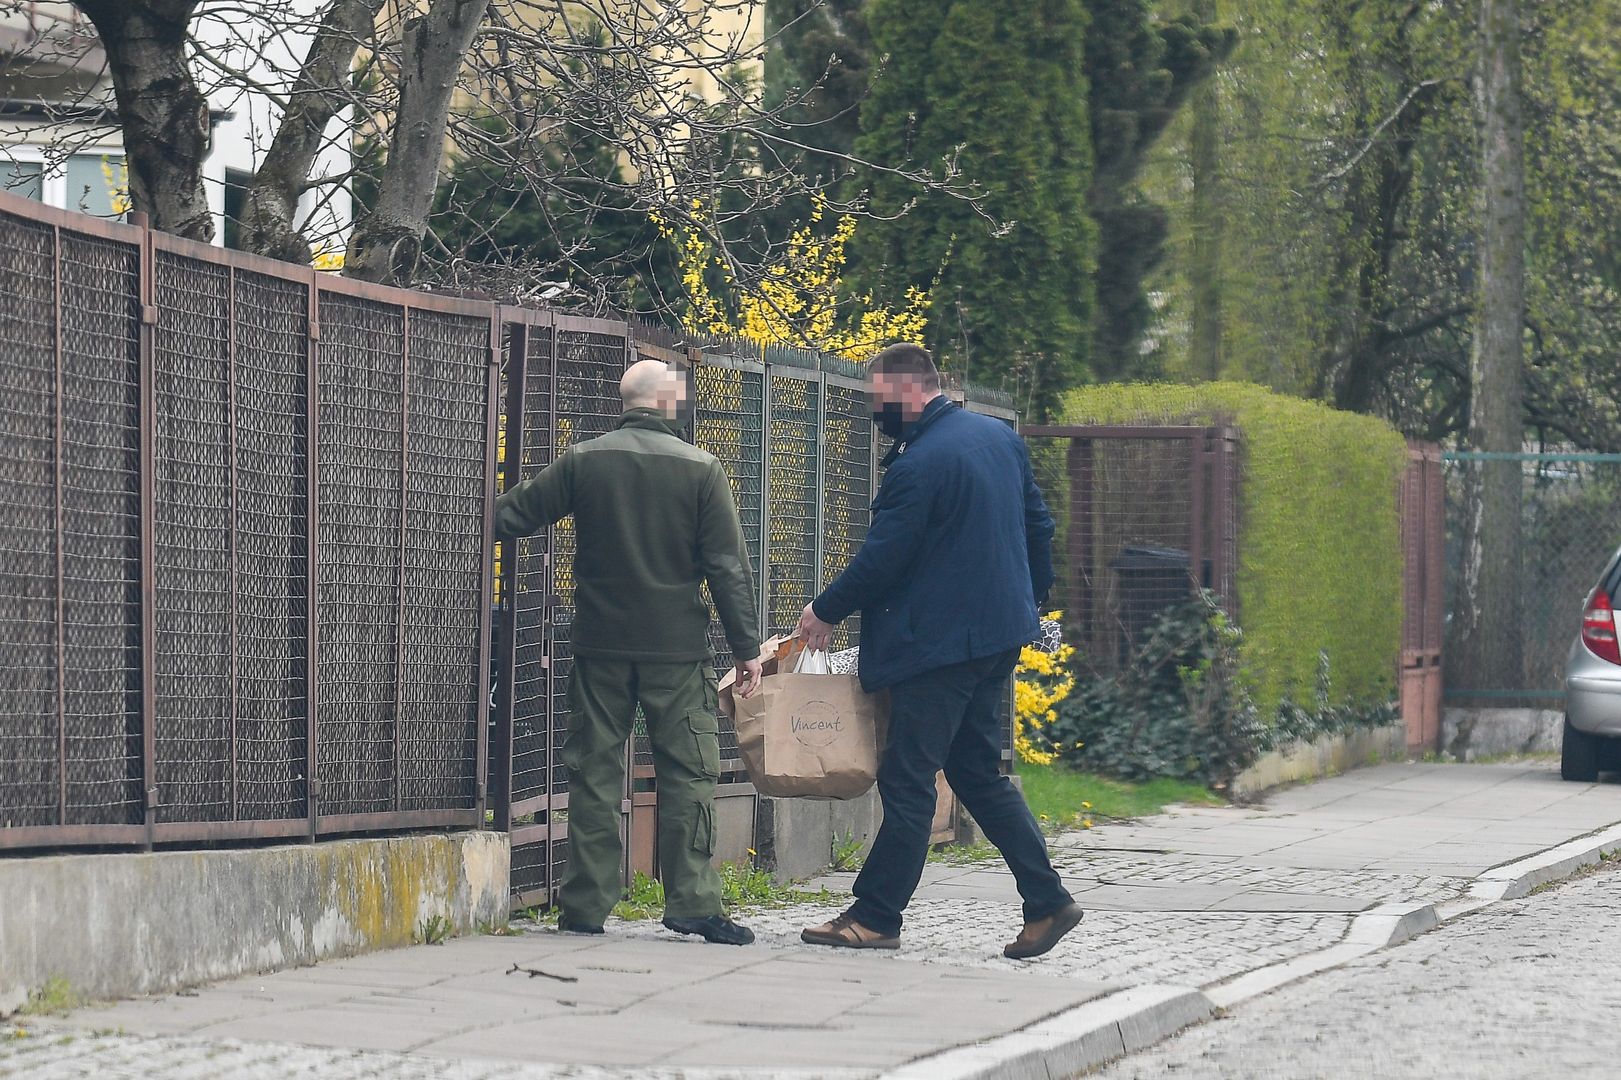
[811,663]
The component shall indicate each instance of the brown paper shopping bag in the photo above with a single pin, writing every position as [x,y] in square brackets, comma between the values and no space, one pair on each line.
[807,736]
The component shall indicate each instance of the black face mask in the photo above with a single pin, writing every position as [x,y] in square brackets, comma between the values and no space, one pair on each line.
[890,420]
[684,410]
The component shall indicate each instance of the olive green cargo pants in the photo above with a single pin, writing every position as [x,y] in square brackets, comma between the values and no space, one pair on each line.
[678,702]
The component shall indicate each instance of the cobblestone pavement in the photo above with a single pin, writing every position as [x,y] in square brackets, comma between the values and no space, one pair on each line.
[64,1055]
[1124,948]
[1073,860]
[1522,989]
[1191,898]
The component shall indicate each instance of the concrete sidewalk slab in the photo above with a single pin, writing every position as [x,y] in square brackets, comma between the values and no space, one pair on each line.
[1188,911]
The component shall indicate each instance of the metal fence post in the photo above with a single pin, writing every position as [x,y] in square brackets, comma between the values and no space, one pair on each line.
[486,617]
[507,649]
[60,585]
[146,285]
[312,557]
[399,563]
[1081,481]
[819,496]
[765,495]
[231,537]
[1199,479]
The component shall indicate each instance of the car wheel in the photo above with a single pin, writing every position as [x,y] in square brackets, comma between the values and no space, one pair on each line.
[1609,754]
[1578,757]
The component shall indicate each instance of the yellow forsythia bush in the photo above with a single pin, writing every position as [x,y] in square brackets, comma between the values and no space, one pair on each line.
[1040,682]
[797,301]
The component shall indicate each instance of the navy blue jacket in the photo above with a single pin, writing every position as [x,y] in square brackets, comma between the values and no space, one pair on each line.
[958,554]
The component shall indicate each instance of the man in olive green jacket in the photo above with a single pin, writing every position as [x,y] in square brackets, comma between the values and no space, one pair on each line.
[654,520]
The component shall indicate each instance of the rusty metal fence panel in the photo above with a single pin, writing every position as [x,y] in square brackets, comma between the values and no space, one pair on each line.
[793,461]
[729,422]
[847,487]
[1145,515]
[193,540]
[171,407]
[271,320]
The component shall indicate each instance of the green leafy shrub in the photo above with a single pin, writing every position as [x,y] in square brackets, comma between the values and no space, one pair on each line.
[1180,708]
[1320,561]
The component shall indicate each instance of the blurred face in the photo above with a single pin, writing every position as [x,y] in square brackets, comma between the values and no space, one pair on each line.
[898,399]
[674,399]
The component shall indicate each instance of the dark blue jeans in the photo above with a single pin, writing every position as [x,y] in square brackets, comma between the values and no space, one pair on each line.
[947,719]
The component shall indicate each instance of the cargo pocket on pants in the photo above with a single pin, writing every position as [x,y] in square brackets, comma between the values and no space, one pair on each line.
[705,729]
[703,830]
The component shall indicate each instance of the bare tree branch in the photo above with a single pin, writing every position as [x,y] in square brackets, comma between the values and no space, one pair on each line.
[269,224]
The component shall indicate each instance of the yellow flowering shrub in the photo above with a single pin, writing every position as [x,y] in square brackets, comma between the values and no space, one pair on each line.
[1040,682]
[329,259]
[797,301]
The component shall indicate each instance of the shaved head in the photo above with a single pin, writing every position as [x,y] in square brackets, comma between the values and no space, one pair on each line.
[653,384]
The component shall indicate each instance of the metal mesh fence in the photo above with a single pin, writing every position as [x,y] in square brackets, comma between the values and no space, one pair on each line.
[101,515]
[443,563]
[29,755]
[155,607]
[1143,517]
[1571,526]
[192,574]
[589,365]
[730,423]
[793,454]
[272,545]
[361,383]
[531,720]
[847,487]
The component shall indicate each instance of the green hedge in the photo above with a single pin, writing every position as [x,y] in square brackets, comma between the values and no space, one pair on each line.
[1320,561]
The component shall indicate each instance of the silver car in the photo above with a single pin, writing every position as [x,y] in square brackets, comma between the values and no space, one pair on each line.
[1593,684]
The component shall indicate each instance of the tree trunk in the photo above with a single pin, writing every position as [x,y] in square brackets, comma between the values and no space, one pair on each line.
[1487,652]
[1204,156]
[270,219]
[164,116]
[387,245]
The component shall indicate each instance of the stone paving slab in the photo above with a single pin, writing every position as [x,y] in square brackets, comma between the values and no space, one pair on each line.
[1193,898]
[643,998]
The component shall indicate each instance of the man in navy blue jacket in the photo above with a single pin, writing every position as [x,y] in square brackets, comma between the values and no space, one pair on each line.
[947,583]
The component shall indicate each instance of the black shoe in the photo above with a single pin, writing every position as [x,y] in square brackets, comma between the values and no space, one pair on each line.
[569,926]
[716,929]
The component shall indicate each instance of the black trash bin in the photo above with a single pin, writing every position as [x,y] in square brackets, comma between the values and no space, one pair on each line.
[1151,579]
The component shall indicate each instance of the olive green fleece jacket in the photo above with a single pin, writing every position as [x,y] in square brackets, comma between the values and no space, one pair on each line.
[653,520]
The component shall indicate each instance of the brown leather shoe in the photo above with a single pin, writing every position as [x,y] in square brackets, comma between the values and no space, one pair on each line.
[845,933]
[1038,938]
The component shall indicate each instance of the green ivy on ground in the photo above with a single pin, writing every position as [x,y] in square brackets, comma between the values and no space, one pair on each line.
[1320,560]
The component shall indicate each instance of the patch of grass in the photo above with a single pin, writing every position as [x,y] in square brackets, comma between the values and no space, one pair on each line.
[540,916]
[434,930]
[743,888]
[1063,798]
[964,854]
[643,900]
[56,998]
[847,853]
[489,929]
